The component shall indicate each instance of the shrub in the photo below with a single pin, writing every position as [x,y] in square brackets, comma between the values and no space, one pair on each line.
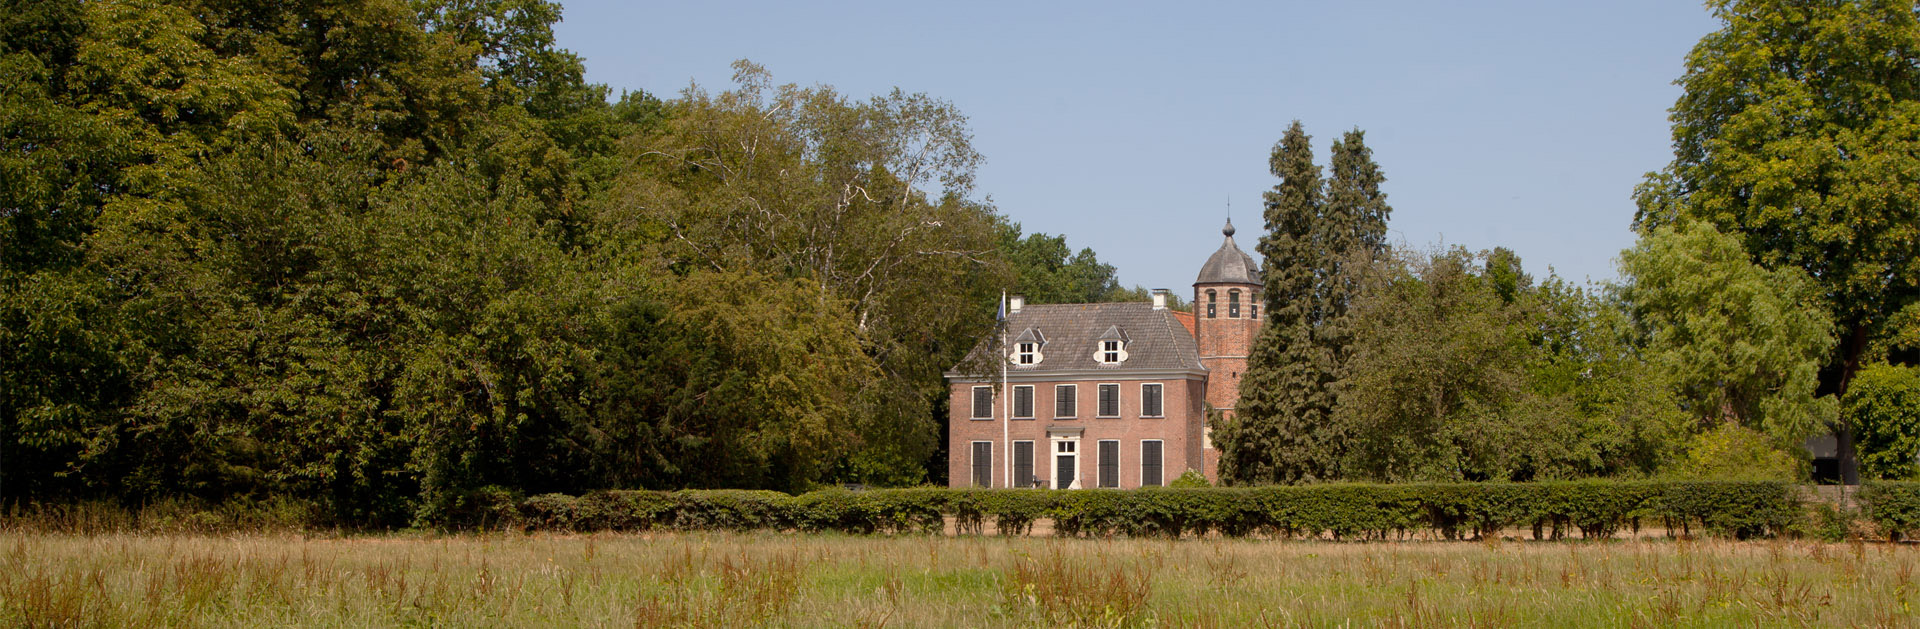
[1893,506]
[1191,479]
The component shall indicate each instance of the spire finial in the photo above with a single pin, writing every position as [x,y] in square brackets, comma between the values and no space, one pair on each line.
[1229,229]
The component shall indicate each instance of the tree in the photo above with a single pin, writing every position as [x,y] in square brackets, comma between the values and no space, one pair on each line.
[1797,133]
[1321,239]
[1738,343]
[1436,373]
[866,200]
[1885,404]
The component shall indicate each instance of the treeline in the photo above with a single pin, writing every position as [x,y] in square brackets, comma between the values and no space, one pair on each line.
[1773,295]
[377,253]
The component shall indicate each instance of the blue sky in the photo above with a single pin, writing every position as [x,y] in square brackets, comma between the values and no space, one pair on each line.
[1127,126]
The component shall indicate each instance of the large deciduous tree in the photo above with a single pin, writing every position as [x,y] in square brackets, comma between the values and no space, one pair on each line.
[1799,132]
[865,201]
[1737,342]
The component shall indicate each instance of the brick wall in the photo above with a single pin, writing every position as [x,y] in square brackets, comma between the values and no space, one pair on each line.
[1224,343]
[1176,430]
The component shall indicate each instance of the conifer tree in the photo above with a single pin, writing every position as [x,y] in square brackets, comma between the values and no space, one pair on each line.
[1321,237]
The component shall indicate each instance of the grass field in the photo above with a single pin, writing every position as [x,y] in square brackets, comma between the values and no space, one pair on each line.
[803,580]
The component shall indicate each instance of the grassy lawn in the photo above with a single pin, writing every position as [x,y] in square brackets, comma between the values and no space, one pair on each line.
[828,580]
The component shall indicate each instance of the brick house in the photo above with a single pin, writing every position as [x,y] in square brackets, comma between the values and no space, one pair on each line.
[1104,395]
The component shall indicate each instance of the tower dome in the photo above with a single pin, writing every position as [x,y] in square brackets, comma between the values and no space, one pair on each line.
[1229,265]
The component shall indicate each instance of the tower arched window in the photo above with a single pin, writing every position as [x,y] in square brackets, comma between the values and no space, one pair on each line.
[1211,298]
[1233,304]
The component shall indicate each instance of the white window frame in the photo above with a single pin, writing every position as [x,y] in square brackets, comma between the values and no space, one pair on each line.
[1016,401]
[1076,401]
[1143,399]
[1110,352]
[1032,458]
[1116,401]
[975,401]
[1099,465]
[972,464]
[1026,353]
[1163,462]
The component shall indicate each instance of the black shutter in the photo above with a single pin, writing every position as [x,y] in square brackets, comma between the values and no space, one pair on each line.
[1023,402]
[1109,400]
[1150,400]
[982,402]
[1109,464]
[982,464]
[1023,464]
[1150,464]
[1063,401]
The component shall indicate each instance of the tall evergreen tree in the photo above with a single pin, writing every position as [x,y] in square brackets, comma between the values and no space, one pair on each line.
[1321,238]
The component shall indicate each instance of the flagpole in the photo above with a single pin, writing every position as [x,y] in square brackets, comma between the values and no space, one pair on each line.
[1006,397]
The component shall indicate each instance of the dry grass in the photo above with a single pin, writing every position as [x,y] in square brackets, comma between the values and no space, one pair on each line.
[801,580]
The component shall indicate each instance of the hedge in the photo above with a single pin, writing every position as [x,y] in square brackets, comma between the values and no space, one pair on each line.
[1893,506]
[1594,509]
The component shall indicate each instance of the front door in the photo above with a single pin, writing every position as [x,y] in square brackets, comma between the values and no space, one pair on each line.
[1065,464]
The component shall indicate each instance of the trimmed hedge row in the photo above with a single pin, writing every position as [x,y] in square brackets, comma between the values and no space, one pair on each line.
[1892,506]
[1345,511]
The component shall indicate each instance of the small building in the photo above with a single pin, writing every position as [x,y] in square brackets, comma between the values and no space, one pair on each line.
[1104,395]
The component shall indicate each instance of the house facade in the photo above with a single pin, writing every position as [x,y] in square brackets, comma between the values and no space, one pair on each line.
[1072,396]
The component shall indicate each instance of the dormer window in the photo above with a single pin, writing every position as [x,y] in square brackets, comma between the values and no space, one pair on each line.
[1026,349]
[1111,348]
[1233,304]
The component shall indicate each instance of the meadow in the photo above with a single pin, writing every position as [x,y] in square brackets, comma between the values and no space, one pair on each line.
[830,580]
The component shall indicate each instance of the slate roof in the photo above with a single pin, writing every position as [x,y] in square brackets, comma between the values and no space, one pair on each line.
[1229,265]
[1155,338]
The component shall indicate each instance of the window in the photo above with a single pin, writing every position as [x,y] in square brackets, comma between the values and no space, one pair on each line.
[1233,304]
[1110,352]
[1253,311]
[1211,297]
[1026,354]
[1064,402]
[1023,402]
[1109,400]
[1150,400]
[1023,464]
[983,464]
[983,402]
[1150,474]
[1109,464]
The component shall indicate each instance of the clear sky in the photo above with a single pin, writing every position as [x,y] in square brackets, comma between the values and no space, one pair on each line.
[1128,126]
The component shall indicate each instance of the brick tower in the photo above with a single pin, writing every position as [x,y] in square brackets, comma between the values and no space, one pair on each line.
[1226,312]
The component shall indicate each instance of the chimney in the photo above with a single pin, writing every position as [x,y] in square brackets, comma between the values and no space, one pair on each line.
[1159,299]
[1015,303]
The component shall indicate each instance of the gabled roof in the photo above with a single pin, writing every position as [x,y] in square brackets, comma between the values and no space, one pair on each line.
[1156,339]
[1229,265]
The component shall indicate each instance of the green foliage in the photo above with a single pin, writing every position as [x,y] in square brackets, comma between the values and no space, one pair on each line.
[1322,238]
[1436,371]
[1340,511]
[1190,479]
[1736,341]
[1883,404]
[1734,452]
[1893,506]
[402,261]
[1796,134]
